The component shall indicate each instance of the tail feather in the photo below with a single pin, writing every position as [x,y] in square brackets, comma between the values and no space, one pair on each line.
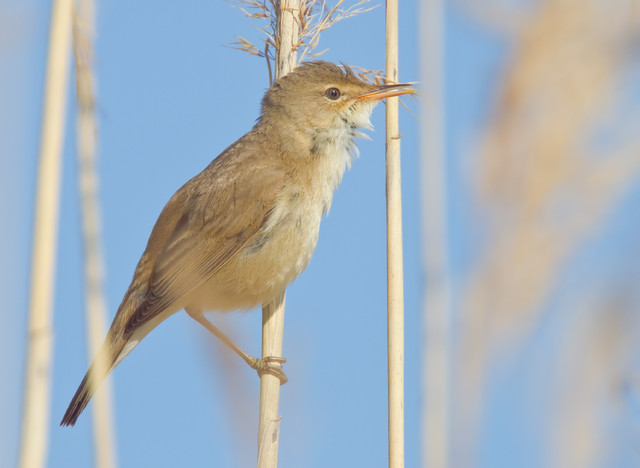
[114,349]
[98,371]
[79,402]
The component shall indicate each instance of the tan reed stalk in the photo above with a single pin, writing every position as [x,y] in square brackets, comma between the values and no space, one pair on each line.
[293,27]
[395,281]
[269,421]
[437,293]
[35,418]
[287,37]
[83,34]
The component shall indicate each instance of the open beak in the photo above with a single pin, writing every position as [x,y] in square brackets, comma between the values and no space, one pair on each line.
[386,91]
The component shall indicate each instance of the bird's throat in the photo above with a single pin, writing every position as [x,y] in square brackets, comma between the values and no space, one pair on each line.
[333,150]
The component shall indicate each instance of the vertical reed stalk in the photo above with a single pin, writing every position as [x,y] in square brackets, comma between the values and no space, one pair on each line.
[273,313]
[437,300]
[395,294]
[35,419]
[269,422]
[84,32]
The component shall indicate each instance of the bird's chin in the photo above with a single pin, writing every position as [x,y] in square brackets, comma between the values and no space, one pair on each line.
[359,115]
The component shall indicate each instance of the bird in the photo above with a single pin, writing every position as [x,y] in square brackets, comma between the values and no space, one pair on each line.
[238,233]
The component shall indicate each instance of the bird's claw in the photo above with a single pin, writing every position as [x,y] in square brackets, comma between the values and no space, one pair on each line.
[270,365]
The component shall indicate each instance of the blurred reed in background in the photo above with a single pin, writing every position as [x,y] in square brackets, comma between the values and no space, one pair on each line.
[557,161]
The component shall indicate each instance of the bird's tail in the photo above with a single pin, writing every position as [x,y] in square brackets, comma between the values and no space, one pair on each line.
[101,367]
[117,345]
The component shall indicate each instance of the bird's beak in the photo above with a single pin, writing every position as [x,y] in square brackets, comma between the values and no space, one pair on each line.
[386,91]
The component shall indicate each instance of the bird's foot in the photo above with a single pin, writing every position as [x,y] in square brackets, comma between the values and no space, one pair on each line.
[270,365]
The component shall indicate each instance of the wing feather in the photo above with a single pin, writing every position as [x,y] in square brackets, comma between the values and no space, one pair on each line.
[214,226]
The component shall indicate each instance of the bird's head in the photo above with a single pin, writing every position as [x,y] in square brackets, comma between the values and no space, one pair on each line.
[321,96]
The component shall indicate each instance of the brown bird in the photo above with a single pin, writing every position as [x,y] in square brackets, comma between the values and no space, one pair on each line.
[238,233]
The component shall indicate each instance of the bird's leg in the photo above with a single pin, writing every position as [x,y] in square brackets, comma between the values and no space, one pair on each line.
[270,364]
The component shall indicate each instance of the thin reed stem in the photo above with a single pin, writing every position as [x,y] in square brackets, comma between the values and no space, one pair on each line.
[395,291]
[287,36]
[437,296]
[35,418]
[83,34]
[269,421]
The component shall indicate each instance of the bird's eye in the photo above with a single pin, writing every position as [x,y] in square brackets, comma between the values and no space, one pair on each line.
[332,93]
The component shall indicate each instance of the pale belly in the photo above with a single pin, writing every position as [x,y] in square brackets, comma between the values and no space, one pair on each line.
[272,260]
[264,268]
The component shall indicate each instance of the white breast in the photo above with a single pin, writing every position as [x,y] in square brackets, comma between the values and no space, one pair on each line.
[336,149]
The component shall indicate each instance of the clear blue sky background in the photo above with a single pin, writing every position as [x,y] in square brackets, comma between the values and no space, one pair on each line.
[171,97]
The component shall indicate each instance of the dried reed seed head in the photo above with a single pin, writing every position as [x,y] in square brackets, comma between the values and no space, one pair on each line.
[313,17]
[535,160]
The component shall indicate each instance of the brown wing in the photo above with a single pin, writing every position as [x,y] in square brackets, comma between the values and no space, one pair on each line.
[217,220]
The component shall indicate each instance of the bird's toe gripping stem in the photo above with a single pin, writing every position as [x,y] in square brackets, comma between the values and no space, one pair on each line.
[270,365]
